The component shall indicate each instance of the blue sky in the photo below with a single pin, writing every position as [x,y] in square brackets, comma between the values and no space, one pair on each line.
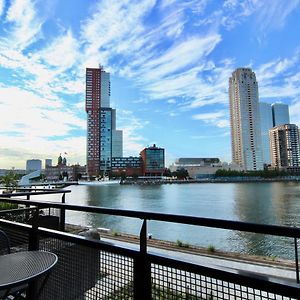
[169,62]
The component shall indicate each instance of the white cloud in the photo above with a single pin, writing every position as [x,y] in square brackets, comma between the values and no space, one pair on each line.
[272,14]
[219,119]
[182,55]
[133,142]
[61,53]
[27,25]
[39,117]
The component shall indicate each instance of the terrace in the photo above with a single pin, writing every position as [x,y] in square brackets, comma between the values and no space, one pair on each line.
[90,268]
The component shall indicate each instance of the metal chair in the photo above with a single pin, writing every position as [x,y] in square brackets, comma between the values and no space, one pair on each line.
[15,293]
[4,243]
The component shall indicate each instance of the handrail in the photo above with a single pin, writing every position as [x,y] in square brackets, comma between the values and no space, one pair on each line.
[276,230]
[34,192]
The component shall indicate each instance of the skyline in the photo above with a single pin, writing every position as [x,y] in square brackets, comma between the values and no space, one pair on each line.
[169,61]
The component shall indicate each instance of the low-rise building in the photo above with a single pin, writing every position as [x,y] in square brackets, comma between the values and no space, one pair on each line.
[153,161]
[202,167]
[130,166]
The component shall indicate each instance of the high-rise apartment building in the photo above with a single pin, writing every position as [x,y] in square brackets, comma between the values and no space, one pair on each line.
[284,143]
[117,138]
[100,121]
[245,120]
[281,114]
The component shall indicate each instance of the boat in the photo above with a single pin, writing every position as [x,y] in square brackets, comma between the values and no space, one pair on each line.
[99,182]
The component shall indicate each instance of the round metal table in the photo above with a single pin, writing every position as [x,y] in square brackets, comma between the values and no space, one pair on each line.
[22,268]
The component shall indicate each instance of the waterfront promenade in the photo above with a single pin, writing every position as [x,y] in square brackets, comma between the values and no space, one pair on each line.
[277,270]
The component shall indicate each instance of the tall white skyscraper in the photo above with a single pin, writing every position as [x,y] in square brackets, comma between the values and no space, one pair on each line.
[266,123]
[245,120]
[281,114]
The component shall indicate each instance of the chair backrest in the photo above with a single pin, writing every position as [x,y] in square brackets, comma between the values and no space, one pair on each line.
[4,243]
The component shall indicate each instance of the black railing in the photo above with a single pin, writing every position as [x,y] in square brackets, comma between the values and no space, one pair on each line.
[116,272]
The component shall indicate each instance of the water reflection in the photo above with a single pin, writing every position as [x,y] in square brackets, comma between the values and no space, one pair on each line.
[265,203]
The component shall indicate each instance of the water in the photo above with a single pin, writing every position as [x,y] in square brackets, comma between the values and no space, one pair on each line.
[266,203]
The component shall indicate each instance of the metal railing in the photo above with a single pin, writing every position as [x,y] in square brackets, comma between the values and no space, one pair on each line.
[91,269]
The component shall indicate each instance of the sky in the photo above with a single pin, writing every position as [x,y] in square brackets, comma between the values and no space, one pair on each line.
[169,61]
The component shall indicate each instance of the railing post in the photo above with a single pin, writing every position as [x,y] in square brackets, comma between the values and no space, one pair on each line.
[142,269]
[63,214]
[33,243]
[296,259]
[27,214]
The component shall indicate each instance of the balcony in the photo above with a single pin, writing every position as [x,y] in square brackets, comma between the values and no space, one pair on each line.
[89,268]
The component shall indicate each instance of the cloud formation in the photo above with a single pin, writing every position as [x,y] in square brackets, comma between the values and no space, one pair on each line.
[178,54]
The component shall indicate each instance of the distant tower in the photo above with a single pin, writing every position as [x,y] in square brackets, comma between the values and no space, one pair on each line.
[245,120]
[266,123]
[281,114]
[59,160]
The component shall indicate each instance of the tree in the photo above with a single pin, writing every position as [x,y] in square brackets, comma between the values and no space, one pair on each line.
[181,173]
[167,173]
[10,181]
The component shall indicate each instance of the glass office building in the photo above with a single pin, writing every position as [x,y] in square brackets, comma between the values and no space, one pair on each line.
[266,123]
[281,114]
[153,161]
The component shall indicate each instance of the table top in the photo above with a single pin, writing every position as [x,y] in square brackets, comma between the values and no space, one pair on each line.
[22,267]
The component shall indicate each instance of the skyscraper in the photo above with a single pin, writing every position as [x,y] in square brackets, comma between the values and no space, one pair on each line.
[266,123]
[281,114]
[100,121]
[284,141]
[245,120]
[117,138]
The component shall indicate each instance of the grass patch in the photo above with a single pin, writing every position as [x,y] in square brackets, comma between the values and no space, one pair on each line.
[211,248]
[6,206]
[181,244]
[115,233]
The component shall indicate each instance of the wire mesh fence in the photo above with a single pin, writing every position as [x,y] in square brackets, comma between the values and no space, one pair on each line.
[173,283]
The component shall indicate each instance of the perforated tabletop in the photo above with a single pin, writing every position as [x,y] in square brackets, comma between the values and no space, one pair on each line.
[23,267]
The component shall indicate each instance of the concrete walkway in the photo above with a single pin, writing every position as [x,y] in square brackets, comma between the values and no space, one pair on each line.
[266,269]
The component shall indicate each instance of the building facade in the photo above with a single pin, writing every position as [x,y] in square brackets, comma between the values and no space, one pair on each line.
[266,123]
[117,138]
[153,161]
[281,114]
[284,143]
[130,166]
[33,165]
[101,120]
[245,120]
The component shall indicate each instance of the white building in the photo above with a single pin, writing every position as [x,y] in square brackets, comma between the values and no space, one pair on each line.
[33,165]
[281,114]
[284,143]
[245,120]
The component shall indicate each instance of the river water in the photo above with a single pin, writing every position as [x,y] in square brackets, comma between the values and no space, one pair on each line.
[266,203]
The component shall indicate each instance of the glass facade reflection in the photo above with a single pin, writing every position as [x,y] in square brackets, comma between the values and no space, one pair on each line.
[153,161]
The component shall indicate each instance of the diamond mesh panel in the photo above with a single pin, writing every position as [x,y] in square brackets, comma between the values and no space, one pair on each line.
[18,238]
[170,283]
[87,273]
